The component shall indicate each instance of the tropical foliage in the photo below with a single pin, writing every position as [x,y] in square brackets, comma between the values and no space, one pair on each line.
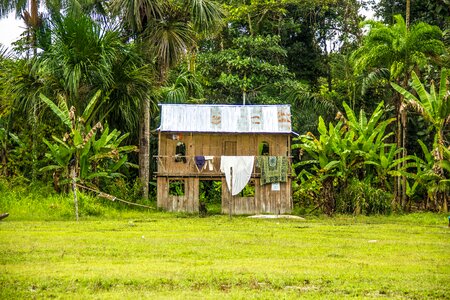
[248,72]
[114,61]
[397,48]
[433,170]
[80,149]
[390,53]
[354,148]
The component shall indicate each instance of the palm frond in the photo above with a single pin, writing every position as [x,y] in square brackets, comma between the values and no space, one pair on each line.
[379,74]
[136,13]
[170,41]
[207,16]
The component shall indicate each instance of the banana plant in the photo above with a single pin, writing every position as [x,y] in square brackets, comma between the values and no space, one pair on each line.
[431,175]
[352,148]
[370,134]
[434,106]
[329,159]
[387,165]
[92,157]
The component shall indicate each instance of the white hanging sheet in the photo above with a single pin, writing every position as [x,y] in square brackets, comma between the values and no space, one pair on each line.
[242,171]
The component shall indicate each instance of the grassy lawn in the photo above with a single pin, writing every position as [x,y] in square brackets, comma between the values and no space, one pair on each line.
[158,255]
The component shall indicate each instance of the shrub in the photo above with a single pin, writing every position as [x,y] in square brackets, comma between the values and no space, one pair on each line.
[359,197]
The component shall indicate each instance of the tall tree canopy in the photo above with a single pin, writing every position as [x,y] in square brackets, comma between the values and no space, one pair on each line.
[433,12]
[166,31]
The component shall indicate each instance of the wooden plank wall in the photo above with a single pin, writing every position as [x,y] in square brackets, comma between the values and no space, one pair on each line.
[265,200]
[213,145]
[189,202]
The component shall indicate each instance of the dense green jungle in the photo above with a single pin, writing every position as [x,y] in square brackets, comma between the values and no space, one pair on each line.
[368,83]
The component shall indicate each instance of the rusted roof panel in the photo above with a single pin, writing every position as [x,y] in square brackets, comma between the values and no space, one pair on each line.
[226,118]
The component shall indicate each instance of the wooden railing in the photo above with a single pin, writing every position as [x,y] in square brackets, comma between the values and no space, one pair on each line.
[167,166]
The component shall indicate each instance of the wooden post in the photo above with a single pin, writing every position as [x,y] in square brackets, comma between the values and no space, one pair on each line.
[231,193]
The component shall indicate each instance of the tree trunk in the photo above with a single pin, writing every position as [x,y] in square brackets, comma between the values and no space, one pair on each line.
[34,22]
[250,28]
[35,143]
[401,115]
[439,158]
[5,148]
[408,13]
[404,120]
[73,174]
[398,181]
[144,147]
[445,204]
[327,195]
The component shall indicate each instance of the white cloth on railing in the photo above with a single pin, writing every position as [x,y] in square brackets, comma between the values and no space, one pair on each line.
[242,171]
[210,162]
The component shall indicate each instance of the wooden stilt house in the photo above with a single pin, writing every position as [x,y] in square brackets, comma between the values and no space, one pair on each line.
[194,139]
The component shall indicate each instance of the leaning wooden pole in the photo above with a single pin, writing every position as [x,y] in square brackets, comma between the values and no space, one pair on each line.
[74,189]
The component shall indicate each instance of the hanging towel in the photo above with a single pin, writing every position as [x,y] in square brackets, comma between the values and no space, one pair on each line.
[242,171]
[273,169]
[210,160]
[200,161]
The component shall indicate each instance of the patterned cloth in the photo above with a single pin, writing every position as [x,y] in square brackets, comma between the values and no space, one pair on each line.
[273,169]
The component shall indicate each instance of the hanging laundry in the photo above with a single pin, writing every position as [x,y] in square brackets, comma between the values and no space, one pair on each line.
[210,161]
[242,171]
[180,152]
[273,169]
[200,161]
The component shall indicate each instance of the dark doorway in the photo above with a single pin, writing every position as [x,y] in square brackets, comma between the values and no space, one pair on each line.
[210,197]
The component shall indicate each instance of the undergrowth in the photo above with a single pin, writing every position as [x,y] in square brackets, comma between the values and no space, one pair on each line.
[41,202]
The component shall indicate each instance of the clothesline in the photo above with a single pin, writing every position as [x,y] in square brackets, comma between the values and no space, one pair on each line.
[238,170]
[211,163]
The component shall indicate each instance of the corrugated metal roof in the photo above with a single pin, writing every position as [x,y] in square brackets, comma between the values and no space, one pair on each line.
[226,118]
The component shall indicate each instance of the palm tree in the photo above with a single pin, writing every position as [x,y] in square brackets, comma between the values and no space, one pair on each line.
[85,57]
[182,87]
[28,11]
[398,50]
[166,31]
[435,108]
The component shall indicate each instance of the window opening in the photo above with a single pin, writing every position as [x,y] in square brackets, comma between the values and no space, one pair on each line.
[263,148]
[180,152]
[176,187]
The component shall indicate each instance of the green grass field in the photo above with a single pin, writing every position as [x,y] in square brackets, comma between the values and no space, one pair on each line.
[160,255]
